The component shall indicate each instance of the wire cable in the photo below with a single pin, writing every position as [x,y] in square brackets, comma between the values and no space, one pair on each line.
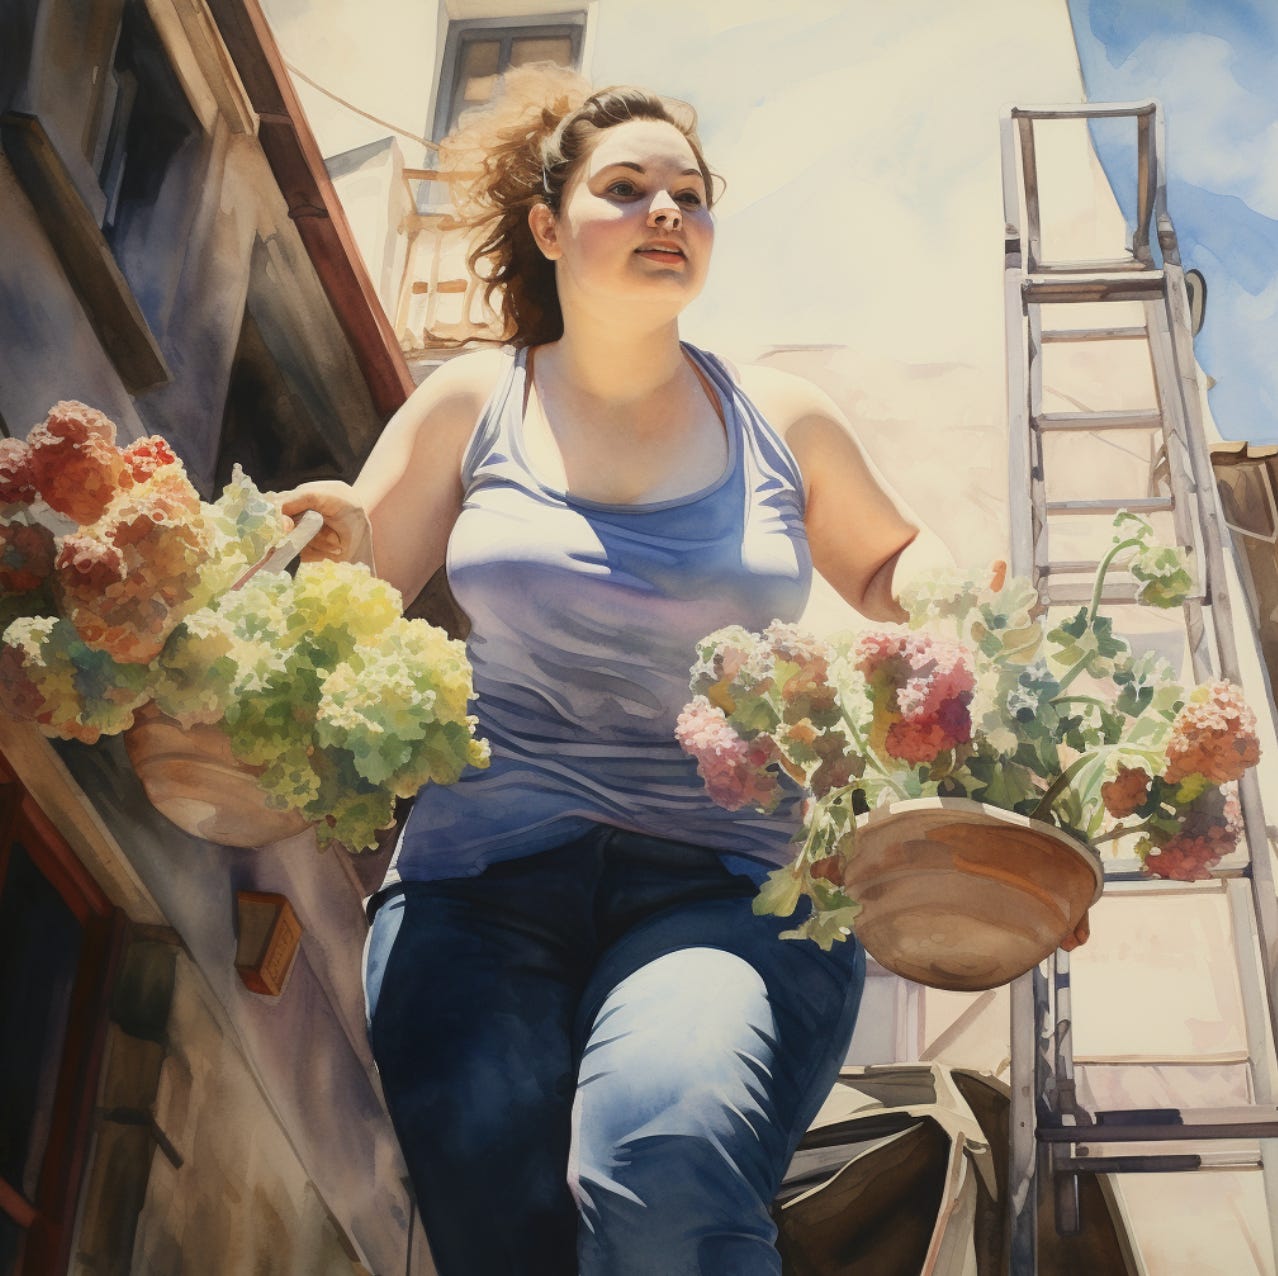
[350,106]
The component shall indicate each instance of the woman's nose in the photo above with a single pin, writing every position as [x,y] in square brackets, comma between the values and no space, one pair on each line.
[663,211]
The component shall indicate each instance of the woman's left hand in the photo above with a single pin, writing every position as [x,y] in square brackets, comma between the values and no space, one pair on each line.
[346,535]
[1080,936]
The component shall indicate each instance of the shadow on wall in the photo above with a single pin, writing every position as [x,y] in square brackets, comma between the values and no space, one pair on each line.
[937,433]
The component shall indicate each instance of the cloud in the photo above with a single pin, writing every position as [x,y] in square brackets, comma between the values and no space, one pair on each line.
[1220,135]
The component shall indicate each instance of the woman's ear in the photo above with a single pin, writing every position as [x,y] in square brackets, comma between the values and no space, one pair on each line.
[545,230]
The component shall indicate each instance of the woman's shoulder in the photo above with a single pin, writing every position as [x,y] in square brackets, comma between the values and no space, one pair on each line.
[472,375]
[452,398]
[783,397]
[798,410]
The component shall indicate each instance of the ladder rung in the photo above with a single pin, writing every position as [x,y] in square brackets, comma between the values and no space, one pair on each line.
[1069,567]
[444,285]
[1116,286]
[1111,505]
[1219,1059]
[1142,419]
[1097,265]
[1134,333]
[441,174]
[1085,111]
[430,221]
[1169,1125]
[1124,877]
[1070,593]
[1168,1163]
[1076,567]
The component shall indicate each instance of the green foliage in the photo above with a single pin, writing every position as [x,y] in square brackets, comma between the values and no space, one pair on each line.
[351,705]
[1162,570]
[1086,643]
[317,677]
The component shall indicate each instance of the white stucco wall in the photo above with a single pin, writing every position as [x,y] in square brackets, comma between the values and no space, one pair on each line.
[380,56]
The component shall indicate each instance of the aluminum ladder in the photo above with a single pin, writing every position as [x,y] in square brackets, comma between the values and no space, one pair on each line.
[1053,1137]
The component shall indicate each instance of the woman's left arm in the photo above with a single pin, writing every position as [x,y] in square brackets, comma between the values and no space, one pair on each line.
[864,539]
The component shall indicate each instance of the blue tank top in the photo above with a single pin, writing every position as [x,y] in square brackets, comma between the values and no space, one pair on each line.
[584,622]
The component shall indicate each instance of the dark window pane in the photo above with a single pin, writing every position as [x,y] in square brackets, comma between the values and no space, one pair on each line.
[148,164]
[556,49]
[40,942]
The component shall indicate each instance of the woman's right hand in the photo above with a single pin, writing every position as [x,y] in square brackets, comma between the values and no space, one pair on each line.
[347,534]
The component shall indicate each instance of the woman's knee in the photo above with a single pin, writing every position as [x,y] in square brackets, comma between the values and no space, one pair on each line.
[676,1099]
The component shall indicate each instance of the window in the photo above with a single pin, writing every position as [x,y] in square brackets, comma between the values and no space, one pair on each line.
[58,935]
[479,50]
[118,205]
[144,154]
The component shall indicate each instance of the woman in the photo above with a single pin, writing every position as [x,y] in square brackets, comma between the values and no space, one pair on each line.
[596,1057]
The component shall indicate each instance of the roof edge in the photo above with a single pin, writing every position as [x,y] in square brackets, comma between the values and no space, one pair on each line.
[295,159]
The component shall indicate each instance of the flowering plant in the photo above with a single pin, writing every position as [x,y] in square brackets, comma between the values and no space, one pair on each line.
[117,589]
[974,698]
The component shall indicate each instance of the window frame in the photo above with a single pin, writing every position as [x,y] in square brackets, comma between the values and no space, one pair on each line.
[572,23]
[49,1220]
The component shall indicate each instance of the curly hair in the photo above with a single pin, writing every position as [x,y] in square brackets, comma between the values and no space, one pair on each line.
[522,149]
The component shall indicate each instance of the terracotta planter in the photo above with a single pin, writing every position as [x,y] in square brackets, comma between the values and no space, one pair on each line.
[192,778]
[962,896]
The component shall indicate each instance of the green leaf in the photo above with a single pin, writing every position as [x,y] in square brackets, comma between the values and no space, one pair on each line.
[1095,643]
[753,711]
[779,894]
[826,929]
[827,896]
[1191,787]
[1163,571]
[1001,783]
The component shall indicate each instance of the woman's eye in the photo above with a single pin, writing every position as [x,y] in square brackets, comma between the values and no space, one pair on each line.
[691,198]
[622,188]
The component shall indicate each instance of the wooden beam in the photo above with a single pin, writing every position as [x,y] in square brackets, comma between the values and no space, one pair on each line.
[1134,332]
[85,255]
[1083,111]
[45,776]
[444,286]
[295,159]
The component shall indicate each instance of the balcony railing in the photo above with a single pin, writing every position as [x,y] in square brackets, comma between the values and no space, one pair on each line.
[440,302]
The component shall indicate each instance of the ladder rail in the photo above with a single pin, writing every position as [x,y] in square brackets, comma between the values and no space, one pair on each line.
[1212,520]
[1023,1145]
[1047,1128]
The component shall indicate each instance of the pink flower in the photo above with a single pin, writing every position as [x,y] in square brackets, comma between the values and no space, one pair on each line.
[734,769]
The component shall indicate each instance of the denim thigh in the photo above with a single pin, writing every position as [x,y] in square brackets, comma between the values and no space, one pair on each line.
[707,1045]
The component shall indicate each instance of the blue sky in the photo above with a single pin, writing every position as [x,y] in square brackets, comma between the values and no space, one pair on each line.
[1213,65]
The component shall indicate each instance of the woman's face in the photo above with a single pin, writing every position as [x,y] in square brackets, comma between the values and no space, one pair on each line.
[634,224]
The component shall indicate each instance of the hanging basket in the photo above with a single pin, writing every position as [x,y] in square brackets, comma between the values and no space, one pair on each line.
[192,778]
[963,896]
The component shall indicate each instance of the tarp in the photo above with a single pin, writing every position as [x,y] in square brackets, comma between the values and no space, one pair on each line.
[904,1173]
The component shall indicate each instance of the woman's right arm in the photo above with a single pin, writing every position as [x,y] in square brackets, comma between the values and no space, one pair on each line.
[398,514]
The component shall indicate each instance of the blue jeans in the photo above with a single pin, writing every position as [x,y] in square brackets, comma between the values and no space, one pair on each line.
[599,1061]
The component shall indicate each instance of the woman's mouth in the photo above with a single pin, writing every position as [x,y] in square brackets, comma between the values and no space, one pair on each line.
[665,254]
